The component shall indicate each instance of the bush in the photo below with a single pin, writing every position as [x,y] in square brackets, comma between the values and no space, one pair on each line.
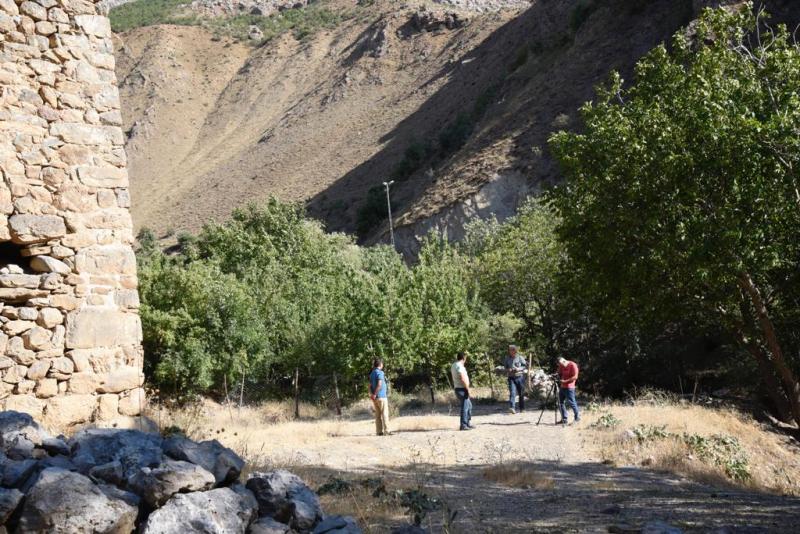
[608,420]
[724,451]
[373,211]
[581,14]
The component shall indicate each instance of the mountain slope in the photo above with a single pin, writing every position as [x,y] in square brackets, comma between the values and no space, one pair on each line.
[455,105]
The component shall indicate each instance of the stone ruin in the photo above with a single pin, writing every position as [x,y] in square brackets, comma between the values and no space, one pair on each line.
[124,481]
[70,335]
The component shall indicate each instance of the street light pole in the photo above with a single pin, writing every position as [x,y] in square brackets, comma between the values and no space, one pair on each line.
[389,209]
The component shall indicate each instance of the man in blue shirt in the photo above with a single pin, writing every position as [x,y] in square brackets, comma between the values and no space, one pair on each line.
[377,393]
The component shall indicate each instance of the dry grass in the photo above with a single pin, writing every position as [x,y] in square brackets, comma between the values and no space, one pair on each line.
[773,459]
[519,476]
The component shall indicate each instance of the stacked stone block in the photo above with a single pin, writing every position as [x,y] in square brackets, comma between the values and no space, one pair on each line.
[70,336]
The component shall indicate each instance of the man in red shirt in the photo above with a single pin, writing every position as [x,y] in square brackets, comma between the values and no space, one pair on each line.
[568,372]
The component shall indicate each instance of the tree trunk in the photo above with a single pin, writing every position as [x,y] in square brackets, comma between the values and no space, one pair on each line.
[777,360]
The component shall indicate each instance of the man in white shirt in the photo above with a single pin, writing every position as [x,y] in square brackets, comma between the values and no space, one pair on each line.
[461,384]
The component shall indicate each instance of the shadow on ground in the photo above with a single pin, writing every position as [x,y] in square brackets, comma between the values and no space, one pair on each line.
[583,497]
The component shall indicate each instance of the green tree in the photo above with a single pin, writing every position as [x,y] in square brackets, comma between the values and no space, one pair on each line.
[681,195]
[517,268]
[445,313]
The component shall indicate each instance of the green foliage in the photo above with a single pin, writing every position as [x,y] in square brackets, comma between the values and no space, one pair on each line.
[723,451]
[414,158]
[517,265]
[417,504]
[302,22]
[521,58]
[682,188]
[607,420]
[269,290]
[373,211]
[644,433]
[580,13]
[145,13]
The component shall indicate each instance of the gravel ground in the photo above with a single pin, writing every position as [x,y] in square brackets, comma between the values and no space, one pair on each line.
[575,491]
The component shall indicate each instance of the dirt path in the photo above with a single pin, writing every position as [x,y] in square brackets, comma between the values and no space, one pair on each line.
[568,488]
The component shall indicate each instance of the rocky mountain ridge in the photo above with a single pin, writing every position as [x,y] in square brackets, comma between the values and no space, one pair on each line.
[453,103]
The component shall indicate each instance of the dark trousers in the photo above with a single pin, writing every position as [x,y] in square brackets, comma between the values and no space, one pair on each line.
[466,407]
[516,386]
[567,396]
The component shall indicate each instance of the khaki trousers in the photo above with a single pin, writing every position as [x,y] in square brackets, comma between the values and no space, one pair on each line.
[381,416]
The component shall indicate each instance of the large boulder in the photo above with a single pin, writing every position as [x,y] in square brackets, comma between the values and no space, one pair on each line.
[285,497]
[17,472]
[217,511]
[65,502]
[9,500]
[337,524]
[157,485]
[131,448]
[19,434]
[267,525]
[211,455]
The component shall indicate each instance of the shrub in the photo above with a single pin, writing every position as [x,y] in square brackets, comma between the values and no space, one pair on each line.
[724,451]
[581,13]
[373,211]
[646,433]
[608,420]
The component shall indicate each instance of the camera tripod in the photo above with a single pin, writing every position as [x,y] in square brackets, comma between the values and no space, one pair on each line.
[552,391]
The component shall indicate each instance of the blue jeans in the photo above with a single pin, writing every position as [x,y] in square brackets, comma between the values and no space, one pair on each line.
[567,396]
[516,385]
[466,407]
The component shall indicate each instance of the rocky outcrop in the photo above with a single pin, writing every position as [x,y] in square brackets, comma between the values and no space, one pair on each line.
[121,481]
[70,336]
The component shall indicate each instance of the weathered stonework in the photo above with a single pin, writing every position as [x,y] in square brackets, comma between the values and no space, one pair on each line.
[70,336]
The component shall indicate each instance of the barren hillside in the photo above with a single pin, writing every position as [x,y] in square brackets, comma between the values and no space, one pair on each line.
[454,104]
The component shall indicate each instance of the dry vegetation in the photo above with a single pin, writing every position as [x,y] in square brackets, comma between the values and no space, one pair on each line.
[518,476]
[718,446]
[381,480]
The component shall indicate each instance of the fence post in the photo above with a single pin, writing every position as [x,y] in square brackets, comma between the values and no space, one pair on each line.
[336,392]
[297,393]
[491,375]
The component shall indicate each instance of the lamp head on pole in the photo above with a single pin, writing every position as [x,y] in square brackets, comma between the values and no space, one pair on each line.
[387,184]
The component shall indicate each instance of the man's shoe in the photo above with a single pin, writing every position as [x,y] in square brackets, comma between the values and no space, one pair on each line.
[472,427]
[512,411]
[466,428]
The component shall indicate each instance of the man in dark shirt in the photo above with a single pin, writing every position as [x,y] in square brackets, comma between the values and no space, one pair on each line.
[515,370]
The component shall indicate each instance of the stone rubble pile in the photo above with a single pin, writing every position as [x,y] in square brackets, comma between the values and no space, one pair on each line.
[70,335]
[122,481]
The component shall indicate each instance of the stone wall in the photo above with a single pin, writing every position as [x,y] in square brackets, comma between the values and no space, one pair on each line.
[70,336]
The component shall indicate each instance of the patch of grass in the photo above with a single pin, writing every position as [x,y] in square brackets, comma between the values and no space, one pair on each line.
[302,22]
[518,476]
[145,13]
[716,446]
